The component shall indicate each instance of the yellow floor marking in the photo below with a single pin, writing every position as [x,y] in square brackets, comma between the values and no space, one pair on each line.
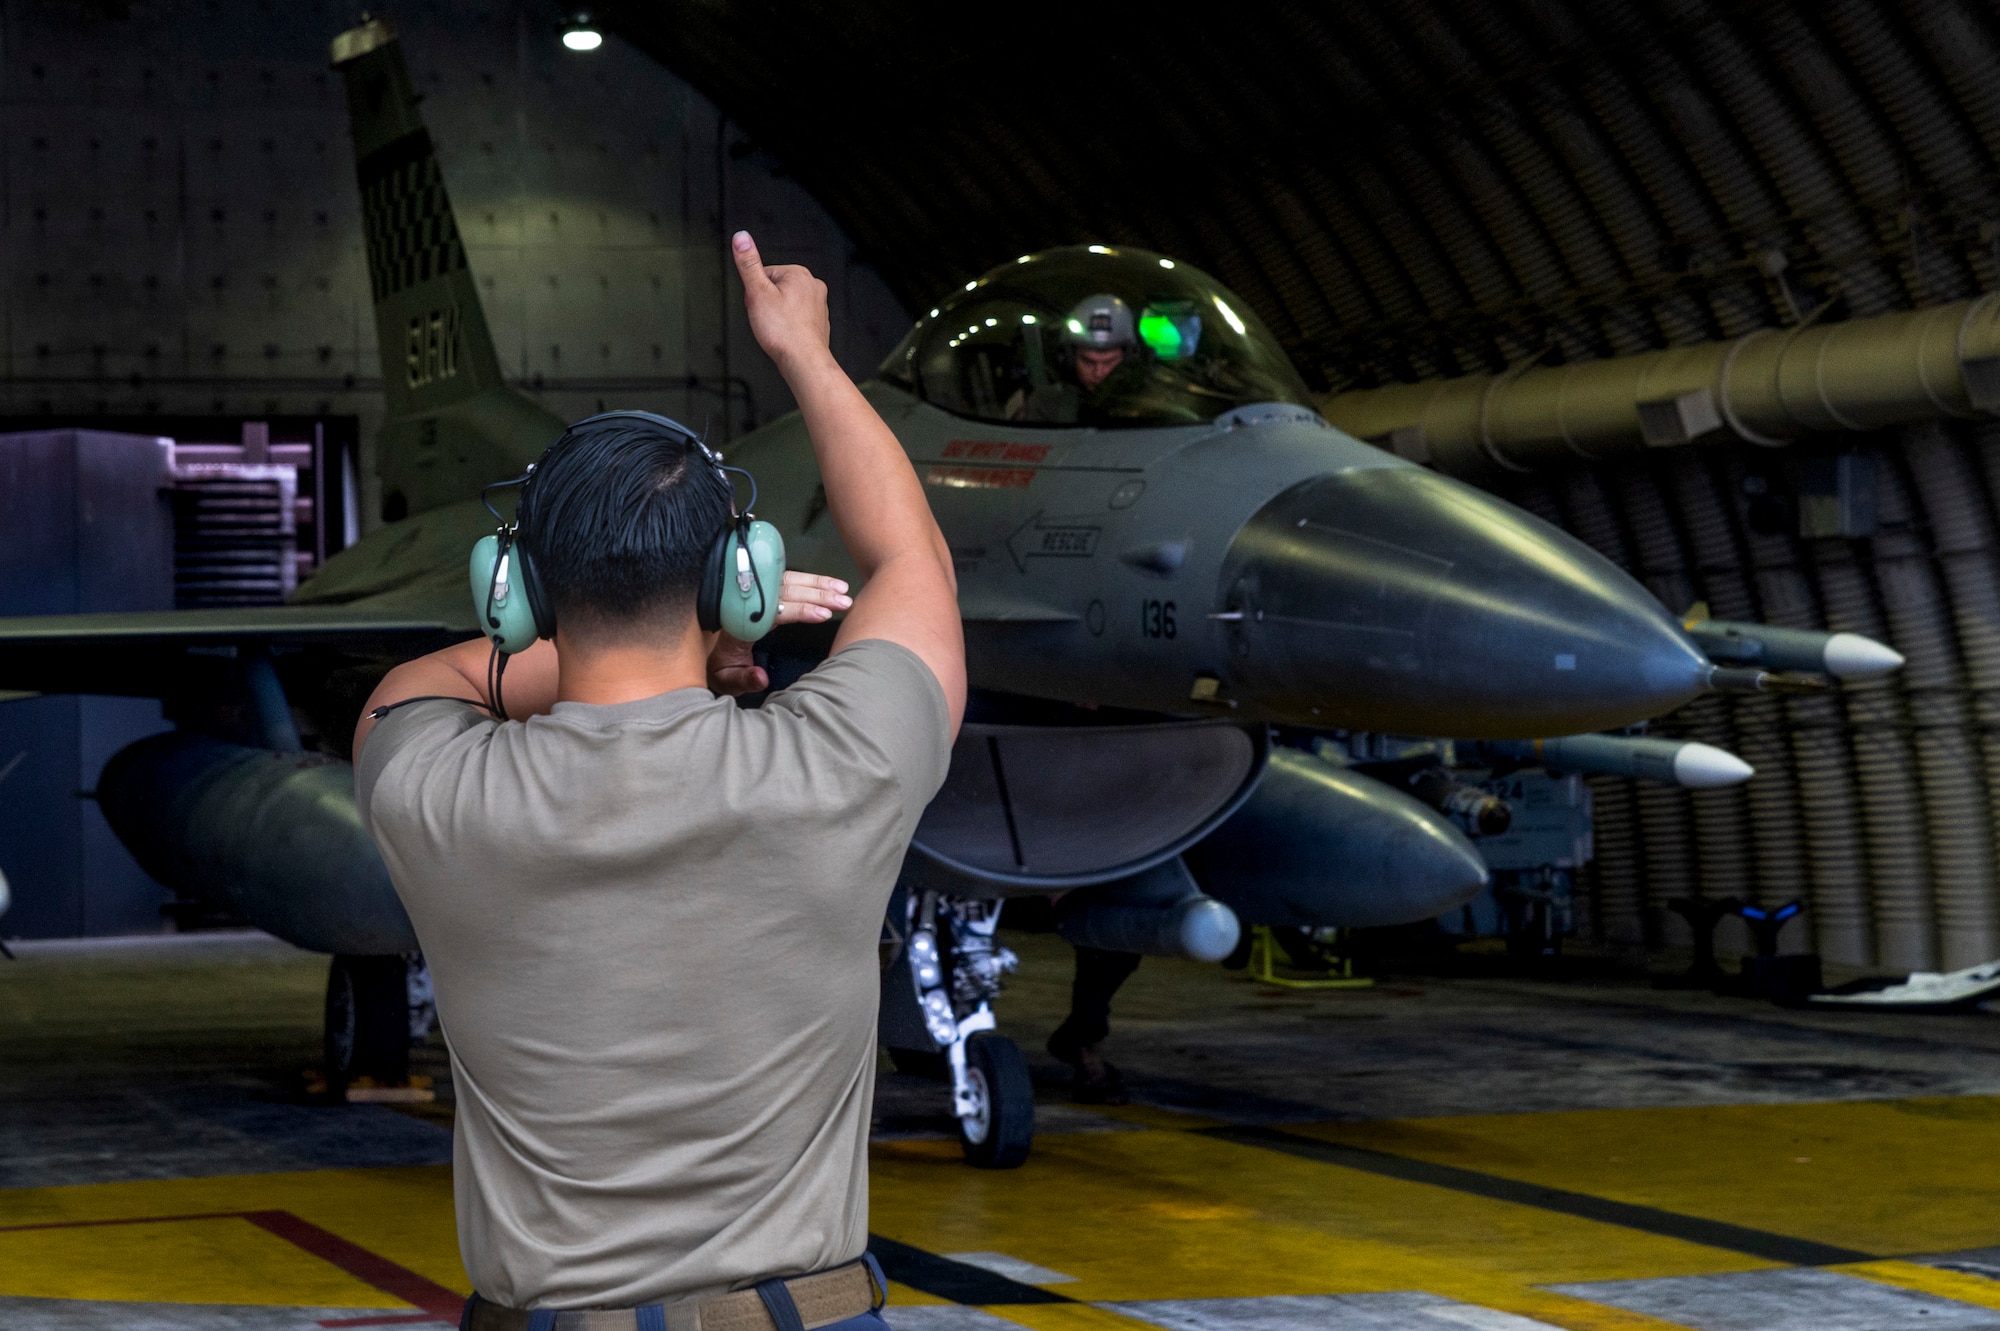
[1162,1215]
[187,1261]
[403,1213]
[1148,1116]
[1977,1290]
[1886,1176]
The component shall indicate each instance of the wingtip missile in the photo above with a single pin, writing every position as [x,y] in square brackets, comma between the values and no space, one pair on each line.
[1771,648]
[1851,656]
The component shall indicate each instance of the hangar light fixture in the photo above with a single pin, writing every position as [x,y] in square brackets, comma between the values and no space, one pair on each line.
[1166,263]
[580,33]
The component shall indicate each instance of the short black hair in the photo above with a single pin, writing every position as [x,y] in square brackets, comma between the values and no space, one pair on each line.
[619,517]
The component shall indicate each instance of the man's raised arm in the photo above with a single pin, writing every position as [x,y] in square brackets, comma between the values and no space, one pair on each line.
[910,592]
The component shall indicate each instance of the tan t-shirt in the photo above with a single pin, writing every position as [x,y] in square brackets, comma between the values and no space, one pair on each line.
[652,927]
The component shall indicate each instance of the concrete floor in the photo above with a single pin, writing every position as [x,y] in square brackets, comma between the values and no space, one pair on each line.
[1437,1152]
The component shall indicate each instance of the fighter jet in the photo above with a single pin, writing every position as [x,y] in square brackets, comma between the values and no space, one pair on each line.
[1170,568]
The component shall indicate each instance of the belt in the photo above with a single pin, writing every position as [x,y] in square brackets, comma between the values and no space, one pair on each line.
[798,1304]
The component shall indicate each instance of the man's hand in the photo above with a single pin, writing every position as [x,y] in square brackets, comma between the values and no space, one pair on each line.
[804,598]
[909,593]
[786,305]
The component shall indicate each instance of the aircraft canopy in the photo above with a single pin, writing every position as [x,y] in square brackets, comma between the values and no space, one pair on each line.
[1094,335]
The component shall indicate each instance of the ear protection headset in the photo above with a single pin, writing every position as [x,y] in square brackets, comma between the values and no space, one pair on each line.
[737,594]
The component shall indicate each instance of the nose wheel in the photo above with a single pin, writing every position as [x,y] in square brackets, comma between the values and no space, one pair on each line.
[995,1101]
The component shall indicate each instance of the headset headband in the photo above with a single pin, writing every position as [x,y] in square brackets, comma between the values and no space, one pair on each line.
[630,413]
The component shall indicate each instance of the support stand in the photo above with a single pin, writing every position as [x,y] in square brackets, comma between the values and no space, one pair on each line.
[1702,915]
[1327,965]
[1788,981]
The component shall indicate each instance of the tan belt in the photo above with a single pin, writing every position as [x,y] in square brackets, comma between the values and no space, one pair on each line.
[822,1298]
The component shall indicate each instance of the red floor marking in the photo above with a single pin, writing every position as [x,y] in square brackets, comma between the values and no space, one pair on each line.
[363,1265]
[438,1303]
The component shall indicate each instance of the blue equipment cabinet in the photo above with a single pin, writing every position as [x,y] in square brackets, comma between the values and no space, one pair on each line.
[85,525]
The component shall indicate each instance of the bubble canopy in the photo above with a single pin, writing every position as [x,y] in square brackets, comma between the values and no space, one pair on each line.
[1013,346]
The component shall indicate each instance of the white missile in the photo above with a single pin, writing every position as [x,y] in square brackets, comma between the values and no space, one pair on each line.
[1771,648]
[1676,762]
[1851,656]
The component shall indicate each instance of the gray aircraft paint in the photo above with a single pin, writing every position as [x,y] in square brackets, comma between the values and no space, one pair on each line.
[1531,632]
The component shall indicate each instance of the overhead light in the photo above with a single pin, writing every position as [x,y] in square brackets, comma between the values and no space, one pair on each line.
[972,286]
[1027,318]
[1099,249]
[1166,263]
[934,314]
[580,33]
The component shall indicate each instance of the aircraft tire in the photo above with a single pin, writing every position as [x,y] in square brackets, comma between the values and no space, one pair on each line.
[367,1022]
[998,1136]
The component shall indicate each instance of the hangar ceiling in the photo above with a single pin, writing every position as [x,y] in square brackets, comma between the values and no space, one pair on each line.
[1409,189]
[1404,188]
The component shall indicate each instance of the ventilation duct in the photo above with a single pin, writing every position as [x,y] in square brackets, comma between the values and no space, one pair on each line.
[1765,387]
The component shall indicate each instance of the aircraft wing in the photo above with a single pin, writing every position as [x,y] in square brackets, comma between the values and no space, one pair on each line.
[144,654]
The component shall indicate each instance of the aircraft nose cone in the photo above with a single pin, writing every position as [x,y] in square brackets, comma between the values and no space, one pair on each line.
[1395,599]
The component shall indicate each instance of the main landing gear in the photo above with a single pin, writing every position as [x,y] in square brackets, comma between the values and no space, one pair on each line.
[376,1007]
[937,999]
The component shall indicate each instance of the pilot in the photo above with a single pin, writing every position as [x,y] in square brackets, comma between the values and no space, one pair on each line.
[1099,340]
[651,916]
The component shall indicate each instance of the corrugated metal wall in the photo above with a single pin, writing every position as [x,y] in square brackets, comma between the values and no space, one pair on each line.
[1415,188]
[180,232]
[1875,804]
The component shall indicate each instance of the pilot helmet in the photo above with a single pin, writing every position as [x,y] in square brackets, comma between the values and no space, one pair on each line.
[1100,321]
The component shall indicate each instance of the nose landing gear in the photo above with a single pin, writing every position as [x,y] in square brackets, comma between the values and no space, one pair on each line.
[938,991]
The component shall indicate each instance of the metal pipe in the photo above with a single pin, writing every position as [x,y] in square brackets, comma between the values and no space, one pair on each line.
[1766,387]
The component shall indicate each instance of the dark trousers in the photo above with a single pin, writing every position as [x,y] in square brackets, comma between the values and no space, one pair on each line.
[1098,976]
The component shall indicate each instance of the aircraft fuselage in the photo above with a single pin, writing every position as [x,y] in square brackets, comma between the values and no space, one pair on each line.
[1263,567]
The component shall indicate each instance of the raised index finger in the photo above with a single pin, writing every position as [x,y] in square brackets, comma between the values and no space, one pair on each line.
[749,263]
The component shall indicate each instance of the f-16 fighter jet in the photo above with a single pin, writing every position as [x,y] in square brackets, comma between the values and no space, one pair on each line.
[1163,554]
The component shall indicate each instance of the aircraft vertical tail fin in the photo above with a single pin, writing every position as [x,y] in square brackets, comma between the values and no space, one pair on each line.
[453,424]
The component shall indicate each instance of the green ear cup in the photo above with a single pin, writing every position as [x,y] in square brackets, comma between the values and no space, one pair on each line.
[505,617]
[749,612]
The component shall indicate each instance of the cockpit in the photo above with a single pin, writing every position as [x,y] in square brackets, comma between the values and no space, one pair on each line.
[1094,335]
